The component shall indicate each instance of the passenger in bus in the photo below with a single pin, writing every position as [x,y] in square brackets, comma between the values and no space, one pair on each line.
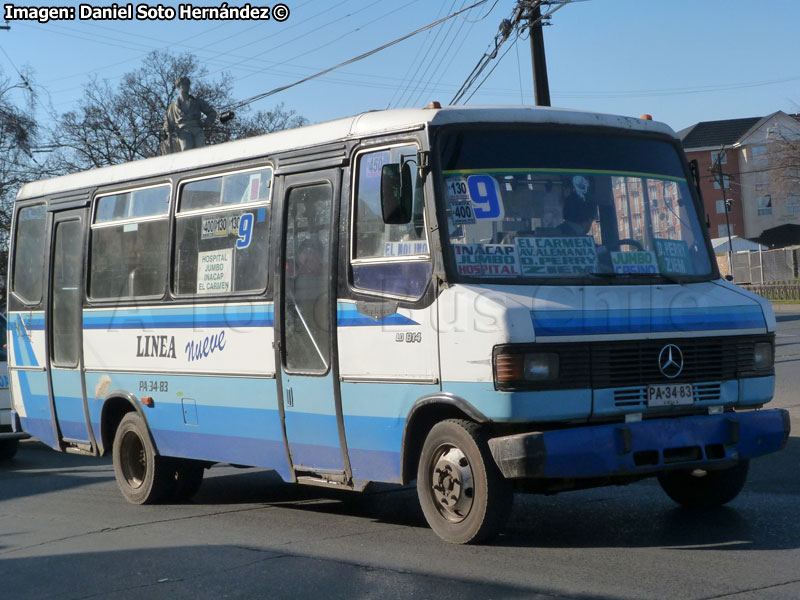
[309,258]
[184,117]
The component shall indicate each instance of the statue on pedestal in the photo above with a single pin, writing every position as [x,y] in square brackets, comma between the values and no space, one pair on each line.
[184,123]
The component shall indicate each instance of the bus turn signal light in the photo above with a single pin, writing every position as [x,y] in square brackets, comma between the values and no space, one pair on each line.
[509,367]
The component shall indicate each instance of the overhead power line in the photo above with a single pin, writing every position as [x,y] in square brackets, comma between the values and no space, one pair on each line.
[424,61]
[507,27]
[252,99]
[489,74]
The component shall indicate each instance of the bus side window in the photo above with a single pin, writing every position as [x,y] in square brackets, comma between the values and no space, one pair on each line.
[130,244]
[29,253]
[222,234]
[391,259]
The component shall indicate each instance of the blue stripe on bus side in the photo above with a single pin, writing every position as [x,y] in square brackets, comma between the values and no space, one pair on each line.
[551,405]
[314,435]
[22,343]
[347,315]
[232,420]
[41,429]
[375,416]
[216,316]
[68,398]
[178,318]
[238,450]
[33,322]
[646,320]
[374,446]
[36,399]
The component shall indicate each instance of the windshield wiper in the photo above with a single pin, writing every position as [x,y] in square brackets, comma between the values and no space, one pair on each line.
[623,276]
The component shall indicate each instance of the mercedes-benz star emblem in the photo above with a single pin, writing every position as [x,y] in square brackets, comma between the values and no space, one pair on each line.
[670,361]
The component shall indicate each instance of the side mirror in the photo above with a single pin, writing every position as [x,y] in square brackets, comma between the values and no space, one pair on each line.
[396,194]
[729,277]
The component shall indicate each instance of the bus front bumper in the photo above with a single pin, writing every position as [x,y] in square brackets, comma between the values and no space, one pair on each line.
[641,448]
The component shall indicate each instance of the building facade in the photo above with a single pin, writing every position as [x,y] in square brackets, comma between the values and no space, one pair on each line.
[760,197]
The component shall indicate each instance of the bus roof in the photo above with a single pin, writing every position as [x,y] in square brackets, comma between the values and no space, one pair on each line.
[362,125]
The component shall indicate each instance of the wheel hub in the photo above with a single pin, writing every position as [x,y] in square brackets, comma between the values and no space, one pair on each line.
[451,484]
[134,460]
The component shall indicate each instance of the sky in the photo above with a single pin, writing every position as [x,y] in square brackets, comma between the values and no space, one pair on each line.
[682,61]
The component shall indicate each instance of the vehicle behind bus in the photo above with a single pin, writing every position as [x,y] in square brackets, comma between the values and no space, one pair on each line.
[9,439]
[486,301]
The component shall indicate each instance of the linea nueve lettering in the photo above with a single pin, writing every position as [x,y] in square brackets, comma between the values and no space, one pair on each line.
[155,346]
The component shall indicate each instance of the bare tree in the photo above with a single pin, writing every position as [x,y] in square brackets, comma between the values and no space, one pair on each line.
[18,138]
[123,123]
[784,155]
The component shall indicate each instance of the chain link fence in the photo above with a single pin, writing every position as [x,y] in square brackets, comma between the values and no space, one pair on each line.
[770,266]
[778,290]
[773,274]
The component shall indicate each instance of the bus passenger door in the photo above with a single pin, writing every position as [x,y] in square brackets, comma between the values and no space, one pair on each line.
[64,322]
[306,326]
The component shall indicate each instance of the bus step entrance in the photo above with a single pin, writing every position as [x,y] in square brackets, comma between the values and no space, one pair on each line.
[320,476]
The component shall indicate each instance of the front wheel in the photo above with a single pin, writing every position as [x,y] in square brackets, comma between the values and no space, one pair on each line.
[142,476]
[463,495]
[698,488]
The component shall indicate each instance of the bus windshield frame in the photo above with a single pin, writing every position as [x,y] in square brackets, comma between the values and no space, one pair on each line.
[544,173]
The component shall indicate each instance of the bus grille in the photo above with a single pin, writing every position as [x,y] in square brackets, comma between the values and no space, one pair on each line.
[629,366]
[635,363]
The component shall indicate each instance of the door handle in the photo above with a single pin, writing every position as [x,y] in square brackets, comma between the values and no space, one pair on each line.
[289,397]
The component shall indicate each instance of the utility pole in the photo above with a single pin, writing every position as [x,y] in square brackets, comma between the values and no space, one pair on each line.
[541,87]
[716,170]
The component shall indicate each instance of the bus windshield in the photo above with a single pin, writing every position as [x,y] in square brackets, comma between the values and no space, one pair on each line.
[553,205]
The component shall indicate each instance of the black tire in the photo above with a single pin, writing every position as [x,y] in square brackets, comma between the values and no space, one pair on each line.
[705,489]
[8,449]
[457,509]
[187,476]
[142,476]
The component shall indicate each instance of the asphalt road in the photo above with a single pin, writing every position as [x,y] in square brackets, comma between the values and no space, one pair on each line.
[66,532]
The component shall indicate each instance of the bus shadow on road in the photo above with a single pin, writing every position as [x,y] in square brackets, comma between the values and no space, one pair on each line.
[782,318]
[635,516]
[641,515]
[37,469]
[229,571]
[384,503]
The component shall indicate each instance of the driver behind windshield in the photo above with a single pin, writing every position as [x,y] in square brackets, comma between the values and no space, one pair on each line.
[579,215]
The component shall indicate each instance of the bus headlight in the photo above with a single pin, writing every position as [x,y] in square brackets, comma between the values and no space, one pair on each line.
[763,355]
[541,366]
[534,366]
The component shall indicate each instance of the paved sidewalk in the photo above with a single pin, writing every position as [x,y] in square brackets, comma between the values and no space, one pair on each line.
[786,308]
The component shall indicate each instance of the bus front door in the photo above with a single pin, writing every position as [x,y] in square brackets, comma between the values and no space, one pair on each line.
[64,322]
[307,326]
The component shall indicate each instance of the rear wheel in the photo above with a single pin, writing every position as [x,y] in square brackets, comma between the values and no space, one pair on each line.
[463,495]
[8,449]
[142,476]
[699,488]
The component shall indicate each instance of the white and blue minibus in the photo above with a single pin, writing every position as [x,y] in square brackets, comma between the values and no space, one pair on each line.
[484,300]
